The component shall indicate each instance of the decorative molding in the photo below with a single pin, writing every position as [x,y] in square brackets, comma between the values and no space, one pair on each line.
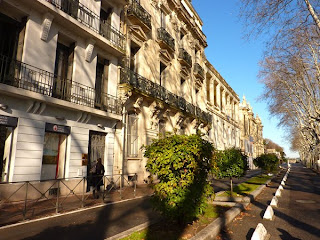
[137,34]
[185,71]
[46,25]
[89,50]
[137,104]
[166,114]
[155,109]
[83,117]
[36,107]
[164,6]
[154,3]
[165,56]
[179,119]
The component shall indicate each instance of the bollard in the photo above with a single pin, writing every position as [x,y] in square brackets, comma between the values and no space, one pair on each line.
[274,202]
[269,214]
[260,233]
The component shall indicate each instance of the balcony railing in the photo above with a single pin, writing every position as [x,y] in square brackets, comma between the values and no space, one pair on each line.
[25,76]
[165,37]
[138,11]
[159,92]
[91,20]
[185,56]
[198,70]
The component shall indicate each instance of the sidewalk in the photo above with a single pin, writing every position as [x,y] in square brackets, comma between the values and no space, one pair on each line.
[296,217]
[98,222]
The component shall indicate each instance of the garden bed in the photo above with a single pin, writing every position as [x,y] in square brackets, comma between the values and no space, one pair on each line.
[170,230]
[247,187]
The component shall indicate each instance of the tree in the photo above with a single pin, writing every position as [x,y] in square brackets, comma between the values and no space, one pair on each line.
[290,68]
[182,164]
[279,17]
[267,162]
[230,163]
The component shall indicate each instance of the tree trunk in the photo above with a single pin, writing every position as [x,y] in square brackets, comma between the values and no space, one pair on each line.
[231,187]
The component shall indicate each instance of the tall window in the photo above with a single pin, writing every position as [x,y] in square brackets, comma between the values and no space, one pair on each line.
[182,85]
[133,57]
[162,73]
[63,71]
[162,128]
[208,89]
[132,135]
[221,99]
[101,86]
[163,20]
[215,92]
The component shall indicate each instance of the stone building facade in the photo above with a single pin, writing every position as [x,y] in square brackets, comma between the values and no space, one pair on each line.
[168,85]
[83,79]
[58,76]
[251,140]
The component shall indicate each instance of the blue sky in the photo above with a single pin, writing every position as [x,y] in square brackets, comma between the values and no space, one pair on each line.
[237,59]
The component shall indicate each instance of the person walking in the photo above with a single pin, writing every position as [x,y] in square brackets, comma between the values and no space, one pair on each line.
[98,177]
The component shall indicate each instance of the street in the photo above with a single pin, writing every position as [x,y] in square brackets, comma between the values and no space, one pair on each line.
[296,217]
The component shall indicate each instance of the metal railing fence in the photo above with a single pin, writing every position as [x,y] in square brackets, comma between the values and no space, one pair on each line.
[29,199]
[157,91]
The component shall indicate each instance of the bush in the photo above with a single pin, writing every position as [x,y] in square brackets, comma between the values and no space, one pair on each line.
[267,162]
[182,164]
[230,163]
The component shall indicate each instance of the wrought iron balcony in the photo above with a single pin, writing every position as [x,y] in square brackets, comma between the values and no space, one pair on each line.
[159,92]
[166,38]
[91,20]
[135,10]
[185,57]
[198,70]
[25,76]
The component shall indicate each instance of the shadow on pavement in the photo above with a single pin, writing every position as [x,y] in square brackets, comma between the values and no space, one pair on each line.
[108,222]
[286,236]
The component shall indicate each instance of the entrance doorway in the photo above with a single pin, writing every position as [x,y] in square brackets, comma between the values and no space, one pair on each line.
[97,145]
[5,151]
[53,160]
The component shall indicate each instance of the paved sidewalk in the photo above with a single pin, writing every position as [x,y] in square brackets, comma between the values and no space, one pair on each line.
[99,222]
[296,217]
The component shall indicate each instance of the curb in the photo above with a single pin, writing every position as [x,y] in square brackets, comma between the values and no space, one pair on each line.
[214,228]
[132,230]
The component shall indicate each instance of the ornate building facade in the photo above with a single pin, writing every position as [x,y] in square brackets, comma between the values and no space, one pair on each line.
[84,79]
[251,132]
[168,85]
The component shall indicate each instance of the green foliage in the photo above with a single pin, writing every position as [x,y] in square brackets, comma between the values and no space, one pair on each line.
[182,164]
[267,162]
[230,163]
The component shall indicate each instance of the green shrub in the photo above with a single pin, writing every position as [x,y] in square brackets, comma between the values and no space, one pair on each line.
[267,162]
[230,163]
[182,164]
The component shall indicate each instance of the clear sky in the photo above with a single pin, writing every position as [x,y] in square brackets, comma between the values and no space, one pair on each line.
[237,59]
